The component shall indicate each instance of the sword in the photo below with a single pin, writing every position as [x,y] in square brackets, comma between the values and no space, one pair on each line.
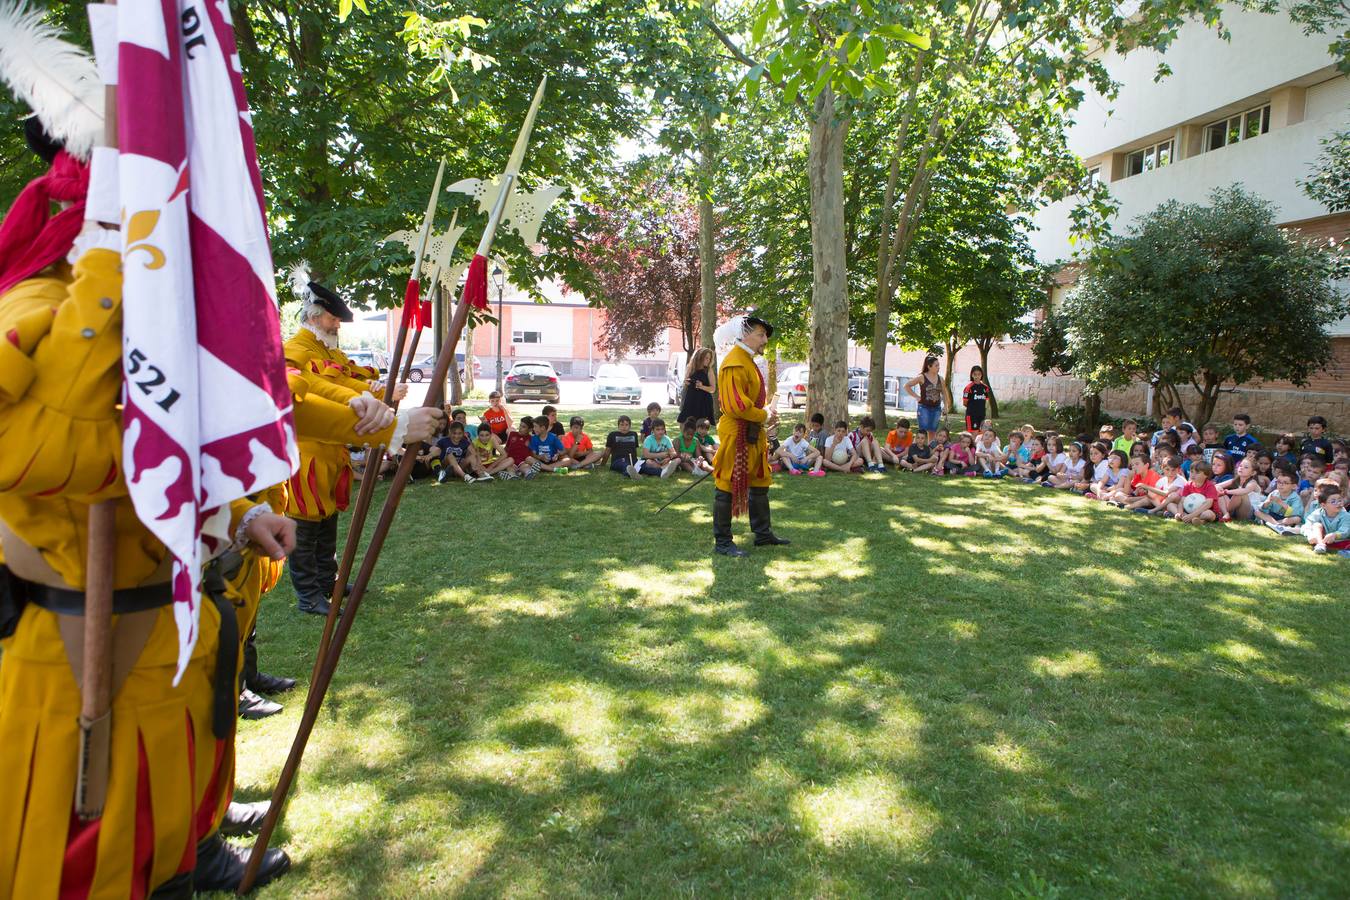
[683,492]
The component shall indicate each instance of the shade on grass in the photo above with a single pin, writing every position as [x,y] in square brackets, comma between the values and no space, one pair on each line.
[949,686]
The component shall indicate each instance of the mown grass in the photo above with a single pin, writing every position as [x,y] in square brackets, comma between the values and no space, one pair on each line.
[956,687]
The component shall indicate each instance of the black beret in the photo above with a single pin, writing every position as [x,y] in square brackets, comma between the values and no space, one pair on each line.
[330,301]
[39,141]
[757,322]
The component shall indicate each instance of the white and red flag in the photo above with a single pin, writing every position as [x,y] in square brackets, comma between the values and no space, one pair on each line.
[208,412]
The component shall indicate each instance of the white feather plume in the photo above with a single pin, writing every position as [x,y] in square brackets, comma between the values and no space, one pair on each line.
[57,80]
[729,332]
[298,275]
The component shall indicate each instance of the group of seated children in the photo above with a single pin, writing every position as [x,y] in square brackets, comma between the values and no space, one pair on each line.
[1168,473]
[499,448]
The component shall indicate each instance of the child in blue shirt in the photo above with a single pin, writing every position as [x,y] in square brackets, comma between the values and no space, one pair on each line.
[546,449]
[653,416]
[1239,442]
[658,453]
[1282,510]
[1328,526]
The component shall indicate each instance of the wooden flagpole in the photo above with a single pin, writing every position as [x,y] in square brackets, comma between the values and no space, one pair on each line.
[435,393]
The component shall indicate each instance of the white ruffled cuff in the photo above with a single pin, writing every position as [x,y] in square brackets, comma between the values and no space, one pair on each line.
[400,428]
[241,533]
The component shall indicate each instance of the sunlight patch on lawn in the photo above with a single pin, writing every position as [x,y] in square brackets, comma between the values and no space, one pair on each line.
[1281,635]
[1008,756]
[1237,651]
[653,584]
[844,633]
[534,770]
[1334,696]
[586,713]
[694,718]
[963,629]
[1067,664]
[842,560]
[730,674]
[754,640]
[866,809]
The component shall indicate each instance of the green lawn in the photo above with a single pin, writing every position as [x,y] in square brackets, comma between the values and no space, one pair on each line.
[957,687]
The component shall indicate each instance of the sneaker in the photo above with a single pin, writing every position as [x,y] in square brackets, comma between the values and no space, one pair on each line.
[506,474]
[1319,548]
[670,468]
[484,477]
[794,471]
[988,474]
[531,472]
[818,473]
[468,479]
[634,472]
[442,475]
[561,470]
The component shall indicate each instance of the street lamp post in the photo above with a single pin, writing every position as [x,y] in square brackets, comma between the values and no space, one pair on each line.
[499,279]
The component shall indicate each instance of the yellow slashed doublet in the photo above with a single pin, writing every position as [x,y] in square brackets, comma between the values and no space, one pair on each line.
[60,374]
[740,391]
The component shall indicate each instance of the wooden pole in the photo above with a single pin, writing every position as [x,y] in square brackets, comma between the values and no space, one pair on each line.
[91,785]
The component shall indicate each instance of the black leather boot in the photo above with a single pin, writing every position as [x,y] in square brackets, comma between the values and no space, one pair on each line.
[722,542]
[244,818]
[220,865]
[262,683]
[251,706]
[759,519]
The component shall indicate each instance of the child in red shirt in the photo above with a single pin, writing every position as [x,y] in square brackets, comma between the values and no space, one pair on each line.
[579,446]
[1199,485]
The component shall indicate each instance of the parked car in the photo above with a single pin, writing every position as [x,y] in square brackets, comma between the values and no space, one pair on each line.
[675,370]
[616,382]
[421,369]
[371,358]
[857,381]
[531,379]
[792,385]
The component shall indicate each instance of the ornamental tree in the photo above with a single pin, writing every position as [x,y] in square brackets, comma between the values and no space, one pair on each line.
[1203,297]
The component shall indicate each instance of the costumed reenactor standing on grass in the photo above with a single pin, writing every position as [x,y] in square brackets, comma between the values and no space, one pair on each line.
[741,466]
[169,772]
[322,487]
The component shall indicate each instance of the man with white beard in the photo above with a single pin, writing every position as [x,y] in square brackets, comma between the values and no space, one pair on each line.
[321,488]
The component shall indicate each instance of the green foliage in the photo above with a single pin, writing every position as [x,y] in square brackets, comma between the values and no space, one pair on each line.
[1203,296]
[1329,184]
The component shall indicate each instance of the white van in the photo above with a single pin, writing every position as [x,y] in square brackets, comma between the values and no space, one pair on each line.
[675,370]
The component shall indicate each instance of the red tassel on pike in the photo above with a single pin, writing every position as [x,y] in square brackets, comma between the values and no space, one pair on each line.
[475,286]
[412,309]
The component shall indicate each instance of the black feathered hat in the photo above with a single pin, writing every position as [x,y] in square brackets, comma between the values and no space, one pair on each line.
[313,292]
[754,321]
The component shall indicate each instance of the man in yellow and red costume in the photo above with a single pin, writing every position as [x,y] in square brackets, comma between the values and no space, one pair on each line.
[741,466]
[322,486]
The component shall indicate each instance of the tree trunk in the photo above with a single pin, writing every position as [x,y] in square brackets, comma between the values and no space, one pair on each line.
[950,348]
[707,248]
[1209,398]
[468,360]
[771,388]
[1092,412]
[984,345]
[827,388]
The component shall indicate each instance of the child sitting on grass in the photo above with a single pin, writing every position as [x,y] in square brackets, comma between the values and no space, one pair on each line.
[840,455]
[707,441]
[1131,493]
[1055,456]
[961,456]
[658,453]
[867,445]
[1328,526]
[1036,467]
[899,439]
[1243,494]
[490,453]
[554,426]
[458,458]
[688,451]
[988,453]
[547,453]
[580,449]
[919,457]
[1282,510]
[1128,437]
[1016,454]
[518,448]
[1072,471]
[816,433]
[653,413]
[460,416]
[798,456]
[1199,485]
[622,447]
[1117,477]
[941,445]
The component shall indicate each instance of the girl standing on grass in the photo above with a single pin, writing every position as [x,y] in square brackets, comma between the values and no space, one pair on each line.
[697,400]
[931,390]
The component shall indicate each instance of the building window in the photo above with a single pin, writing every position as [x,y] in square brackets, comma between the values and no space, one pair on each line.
[527,337]
[1149,158]
[1241,127]
[1094,177]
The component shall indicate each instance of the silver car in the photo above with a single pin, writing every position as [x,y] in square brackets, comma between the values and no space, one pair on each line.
[616,382]
[532,379]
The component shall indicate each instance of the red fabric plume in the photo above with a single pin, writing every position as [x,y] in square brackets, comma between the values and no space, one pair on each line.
[31,238]
[475,286]
[424,314]
[412,308]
